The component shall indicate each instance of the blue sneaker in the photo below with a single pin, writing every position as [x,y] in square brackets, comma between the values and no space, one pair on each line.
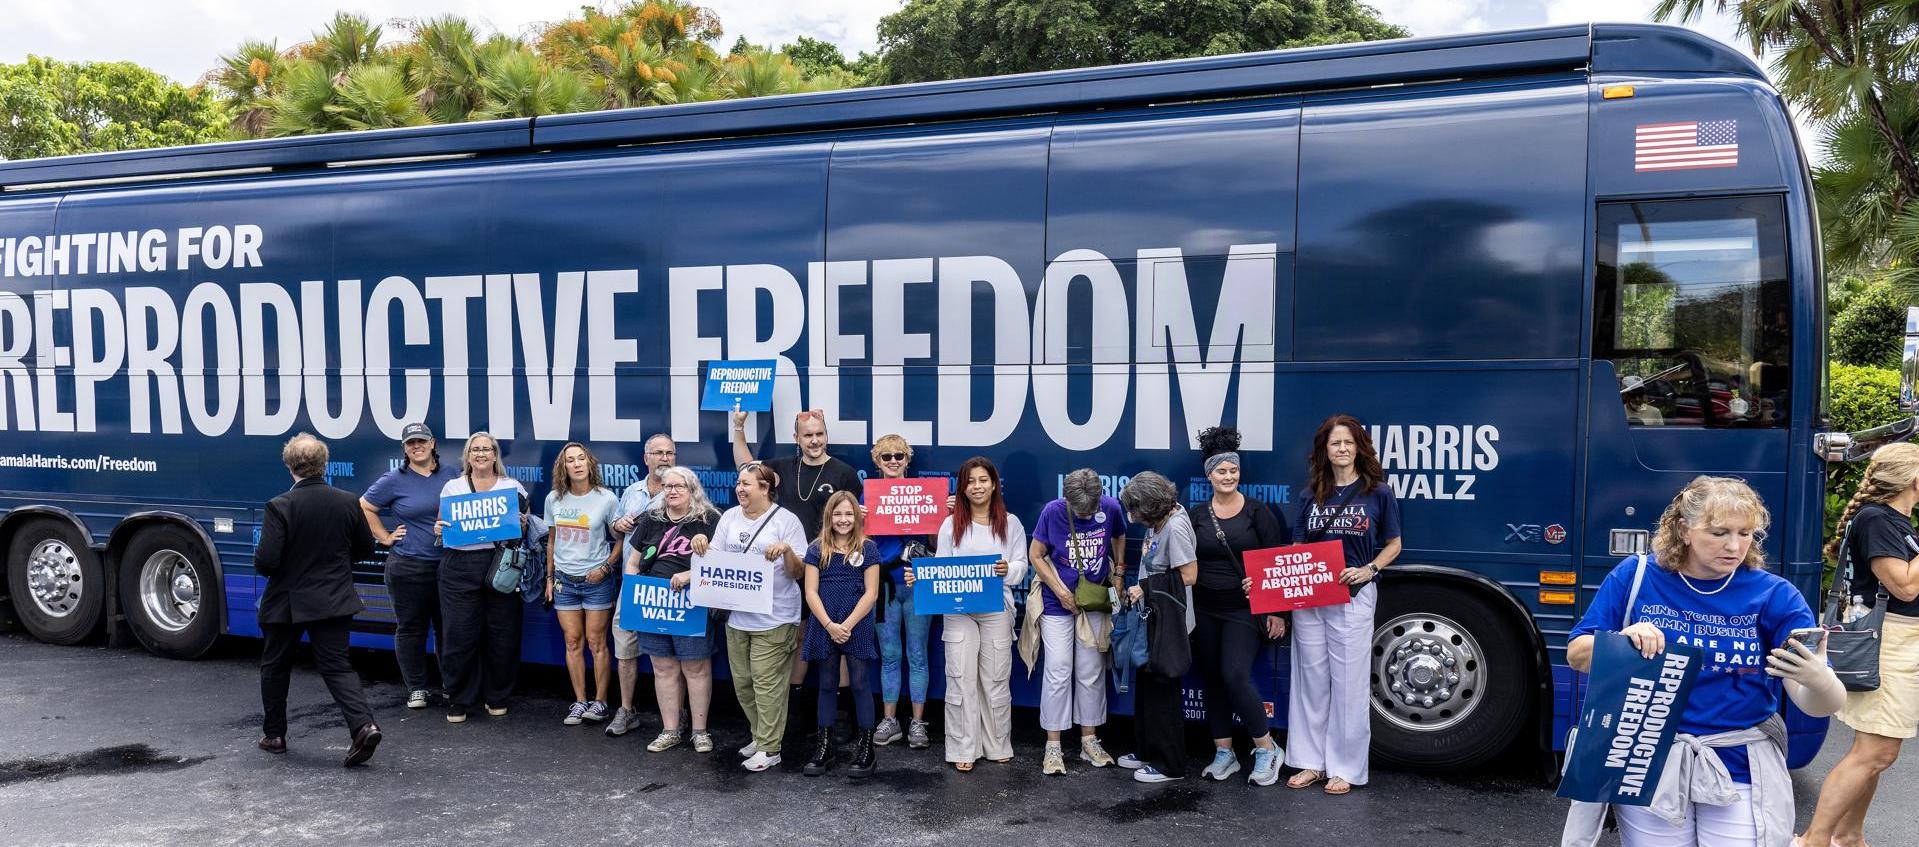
[1224,764]
[1151,774]
[1265,766]
[1130,761]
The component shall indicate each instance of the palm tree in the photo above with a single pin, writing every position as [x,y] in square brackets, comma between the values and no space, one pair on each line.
[523,85]
[1857,190]
[376,96]
[761,73]
[300,107]
[445,62]
[346,41]
[245,82]
[1834,58]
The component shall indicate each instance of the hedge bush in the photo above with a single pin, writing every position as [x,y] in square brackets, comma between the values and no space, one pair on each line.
[1862,397]
[1871,328]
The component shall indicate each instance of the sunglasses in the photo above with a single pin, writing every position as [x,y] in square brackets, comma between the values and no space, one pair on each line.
[892,457]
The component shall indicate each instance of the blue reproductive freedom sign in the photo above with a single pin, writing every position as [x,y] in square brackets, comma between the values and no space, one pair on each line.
[480,518]
[649,604]
[1619,745]
[744,384]
[957,585]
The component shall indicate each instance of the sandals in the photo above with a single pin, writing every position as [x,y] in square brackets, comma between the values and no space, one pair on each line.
[1337,786]
[963,767]
[1304,779]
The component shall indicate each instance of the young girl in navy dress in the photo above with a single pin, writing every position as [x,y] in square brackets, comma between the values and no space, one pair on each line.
[842,585]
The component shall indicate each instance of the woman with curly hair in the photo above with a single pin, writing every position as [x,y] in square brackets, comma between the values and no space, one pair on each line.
[1705,583]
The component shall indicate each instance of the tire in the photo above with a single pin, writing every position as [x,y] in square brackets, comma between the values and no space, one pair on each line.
[58,588]
[170,593]
[1470,656]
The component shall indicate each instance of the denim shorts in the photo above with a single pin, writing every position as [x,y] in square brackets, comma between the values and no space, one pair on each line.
[684,648]
[573,593]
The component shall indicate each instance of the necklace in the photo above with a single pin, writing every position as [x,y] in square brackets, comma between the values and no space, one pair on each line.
[806,491]
[1696,589]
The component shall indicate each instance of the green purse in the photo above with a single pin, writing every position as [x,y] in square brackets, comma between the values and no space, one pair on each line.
[1088,595]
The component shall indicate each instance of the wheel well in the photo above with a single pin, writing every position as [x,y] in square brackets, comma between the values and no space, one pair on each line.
[10,524]
[1515,612]
[139,522]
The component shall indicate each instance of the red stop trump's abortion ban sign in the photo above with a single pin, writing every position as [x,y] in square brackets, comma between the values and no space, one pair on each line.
[905,506]
[1301,576]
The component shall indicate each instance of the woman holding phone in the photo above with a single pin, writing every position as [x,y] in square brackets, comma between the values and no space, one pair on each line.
[1705,582]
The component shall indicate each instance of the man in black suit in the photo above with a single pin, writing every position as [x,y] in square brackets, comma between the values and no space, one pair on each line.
[309,540]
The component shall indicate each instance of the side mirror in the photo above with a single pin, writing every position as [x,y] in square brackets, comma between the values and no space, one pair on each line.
[1909,362]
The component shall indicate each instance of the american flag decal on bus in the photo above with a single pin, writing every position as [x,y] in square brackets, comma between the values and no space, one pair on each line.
[1684,146]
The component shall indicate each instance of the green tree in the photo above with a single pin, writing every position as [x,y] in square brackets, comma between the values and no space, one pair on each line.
[55,108]
[1851,65]
[946,39]
[1872,328]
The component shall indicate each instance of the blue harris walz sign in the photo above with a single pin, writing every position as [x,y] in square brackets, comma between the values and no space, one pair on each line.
[649,604]
[480,518]
[1618,748]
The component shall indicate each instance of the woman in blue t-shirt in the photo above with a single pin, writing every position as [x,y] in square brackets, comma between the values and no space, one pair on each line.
[902,632]
[411,493]
[1328,716]
[1705,585]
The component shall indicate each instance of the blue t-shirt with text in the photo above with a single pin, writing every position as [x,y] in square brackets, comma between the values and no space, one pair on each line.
[1734,627]
[1361,521]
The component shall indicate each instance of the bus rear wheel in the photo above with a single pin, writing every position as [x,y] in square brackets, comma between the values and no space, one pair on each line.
[170,593]
[55,579]
[1450,678]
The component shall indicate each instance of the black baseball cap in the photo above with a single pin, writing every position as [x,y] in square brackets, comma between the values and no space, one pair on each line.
[415,431]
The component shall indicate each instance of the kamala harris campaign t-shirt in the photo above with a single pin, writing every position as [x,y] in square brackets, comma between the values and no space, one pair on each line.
[1733,622]
[1361,521]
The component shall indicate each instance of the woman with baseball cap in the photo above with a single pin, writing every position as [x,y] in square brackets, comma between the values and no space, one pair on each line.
[411,494]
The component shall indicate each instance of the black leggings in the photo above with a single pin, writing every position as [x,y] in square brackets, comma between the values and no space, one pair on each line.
[1224,647]
[826,675]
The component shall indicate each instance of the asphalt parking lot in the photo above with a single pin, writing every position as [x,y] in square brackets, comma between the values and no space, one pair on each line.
[103,746]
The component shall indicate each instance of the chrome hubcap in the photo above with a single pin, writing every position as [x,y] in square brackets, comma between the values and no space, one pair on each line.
[169,590]
[53,578]
[1428,672]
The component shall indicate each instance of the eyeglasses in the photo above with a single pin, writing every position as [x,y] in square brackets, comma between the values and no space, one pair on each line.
[662,452]
[483,450]
[673,486]
[892,457]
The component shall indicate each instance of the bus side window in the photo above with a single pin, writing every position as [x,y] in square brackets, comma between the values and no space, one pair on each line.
[1694,311]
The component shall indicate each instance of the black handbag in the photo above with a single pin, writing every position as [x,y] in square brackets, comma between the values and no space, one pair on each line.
[1852,649]
[1169,650]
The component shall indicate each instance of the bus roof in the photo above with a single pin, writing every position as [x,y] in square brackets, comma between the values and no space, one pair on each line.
[1599,48]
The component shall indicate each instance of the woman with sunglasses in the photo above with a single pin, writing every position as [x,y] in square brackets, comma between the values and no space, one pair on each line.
[902,632]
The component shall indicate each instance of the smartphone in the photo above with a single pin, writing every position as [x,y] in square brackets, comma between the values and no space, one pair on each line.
[1812,637]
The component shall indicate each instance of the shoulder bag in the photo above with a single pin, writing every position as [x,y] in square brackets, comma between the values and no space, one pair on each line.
[1852,648]
[1088,595]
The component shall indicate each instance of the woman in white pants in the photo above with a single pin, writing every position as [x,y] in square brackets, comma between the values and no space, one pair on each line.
[1328,721]
[1079,544]
[979,647]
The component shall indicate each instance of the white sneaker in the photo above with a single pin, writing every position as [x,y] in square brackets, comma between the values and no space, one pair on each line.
[1092,753]
[1148,774]
[748,751]
[1224,764]
[761,761]
[1130,762]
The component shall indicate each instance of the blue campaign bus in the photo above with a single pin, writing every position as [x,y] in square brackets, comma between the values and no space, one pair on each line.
[1557,272]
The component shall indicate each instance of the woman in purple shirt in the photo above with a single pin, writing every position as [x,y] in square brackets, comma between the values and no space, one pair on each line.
[1079,539]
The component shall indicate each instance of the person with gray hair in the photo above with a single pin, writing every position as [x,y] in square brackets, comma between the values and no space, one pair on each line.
[1169,567]
[1078,547]
[310,537]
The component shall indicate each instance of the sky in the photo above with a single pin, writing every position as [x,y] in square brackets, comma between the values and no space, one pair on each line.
[184,38]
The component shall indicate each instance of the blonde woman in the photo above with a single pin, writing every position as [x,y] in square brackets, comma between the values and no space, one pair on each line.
[1705,583]
[1876,530]
[480,647]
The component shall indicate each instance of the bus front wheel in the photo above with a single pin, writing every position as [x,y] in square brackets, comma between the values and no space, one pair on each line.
[1450,677]
[170,593]
[58,587]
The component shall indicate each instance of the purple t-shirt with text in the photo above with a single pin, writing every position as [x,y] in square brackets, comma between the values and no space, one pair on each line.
[1090,540]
